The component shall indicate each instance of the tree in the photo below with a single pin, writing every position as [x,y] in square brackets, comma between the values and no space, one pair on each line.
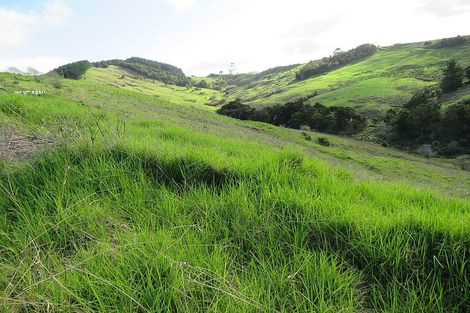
[202,84]
[453,75]
[456,121]
[73,70]
[423,96]
[237,110]
[419,117]
[337,50]
[232,68]
[297,114]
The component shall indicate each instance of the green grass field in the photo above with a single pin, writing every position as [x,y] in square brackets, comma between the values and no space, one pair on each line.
[386,79]
[148,201]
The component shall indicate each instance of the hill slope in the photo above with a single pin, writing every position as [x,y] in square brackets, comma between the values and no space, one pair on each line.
[385,79]
[146,200]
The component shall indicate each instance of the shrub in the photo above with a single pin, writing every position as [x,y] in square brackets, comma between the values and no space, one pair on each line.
[323,141]
[57,84]
[306,136]
[426,151]
[463,162]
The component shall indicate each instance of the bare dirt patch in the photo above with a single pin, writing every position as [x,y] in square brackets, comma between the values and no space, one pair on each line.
[15,145]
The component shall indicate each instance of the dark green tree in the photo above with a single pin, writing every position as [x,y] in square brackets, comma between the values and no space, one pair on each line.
[237,110]
[73,70]
[453,76]
[456,122]
[202,84]
[419,117]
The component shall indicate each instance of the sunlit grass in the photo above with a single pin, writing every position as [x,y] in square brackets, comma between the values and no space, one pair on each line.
[386,79]
[155,206]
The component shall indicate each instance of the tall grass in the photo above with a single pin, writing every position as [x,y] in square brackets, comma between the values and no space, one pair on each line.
[130,229]
[149,216]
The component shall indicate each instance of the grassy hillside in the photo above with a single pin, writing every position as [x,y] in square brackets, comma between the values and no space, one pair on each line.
[388,78]
[145,200]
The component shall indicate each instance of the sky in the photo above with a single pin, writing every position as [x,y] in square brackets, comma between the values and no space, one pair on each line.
[205,36]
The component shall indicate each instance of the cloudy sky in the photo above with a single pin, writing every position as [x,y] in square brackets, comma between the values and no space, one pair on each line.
[204,36]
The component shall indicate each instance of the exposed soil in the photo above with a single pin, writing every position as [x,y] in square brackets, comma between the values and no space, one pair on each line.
[15,145]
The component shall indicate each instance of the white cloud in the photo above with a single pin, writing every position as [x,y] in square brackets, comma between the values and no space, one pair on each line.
[446,8]
[16,27]
[19,28]
[257,34]
[183,4]
[56,13]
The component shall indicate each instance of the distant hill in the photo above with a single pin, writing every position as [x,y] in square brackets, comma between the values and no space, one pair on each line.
[158,71]
[29,71]
[163,72]
[14,70]
[384,79]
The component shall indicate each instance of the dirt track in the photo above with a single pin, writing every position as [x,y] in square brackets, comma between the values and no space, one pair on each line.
[15,145]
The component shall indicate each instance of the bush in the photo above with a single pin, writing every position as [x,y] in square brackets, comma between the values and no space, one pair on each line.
[57,84]
[463,162]
[306,136]
[323,141]
[426,151]
[73,70]
[467,72]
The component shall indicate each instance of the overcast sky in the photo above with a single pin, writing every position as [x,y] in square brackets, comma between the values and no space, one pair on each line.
[204,36]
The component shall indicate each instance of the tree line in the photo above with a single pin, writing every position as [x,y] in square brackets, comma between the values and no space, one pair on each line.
[163,72]
[335,61]
[73,70]
[300,114]
[447,42]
